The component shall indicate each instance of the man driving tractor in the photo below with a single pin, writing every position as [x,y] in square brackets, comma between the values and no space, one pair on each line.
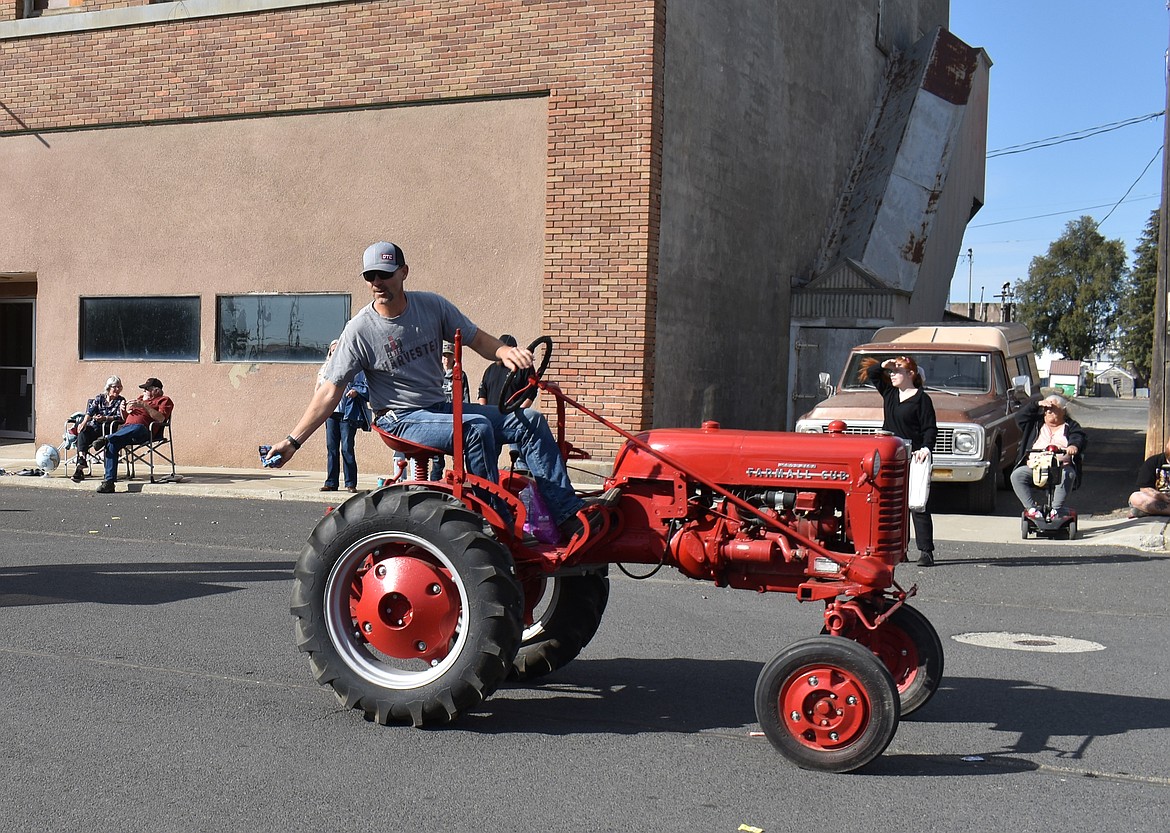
[397,340]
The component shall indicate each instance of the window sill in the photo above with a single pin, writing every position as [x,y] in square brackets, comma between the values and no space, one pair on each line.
[79,21]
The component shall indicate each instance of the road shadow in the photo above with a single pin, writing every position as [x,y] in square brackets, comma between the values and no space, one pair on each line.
[1041,719]
[152,583]
[1048,556]
[631,697]
[626,696]
[1036,720]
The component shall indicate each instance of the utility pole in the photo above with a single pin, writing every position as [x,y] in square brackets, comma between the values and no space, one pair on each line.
[1159,366]
[970,294]
[1005,302]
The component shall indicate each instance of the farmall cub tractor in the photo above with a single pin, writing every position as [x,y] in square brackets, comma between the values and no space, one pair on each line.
[417,600]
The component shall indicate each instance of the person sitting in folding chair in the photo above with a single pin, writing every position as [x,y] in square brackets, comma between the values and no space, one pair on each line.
[103,414]
[151,408]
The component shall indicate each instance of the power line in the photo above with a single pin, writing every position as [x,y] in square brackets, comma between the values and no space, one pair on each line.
[1131,187]
[1069,211]
[1074,136]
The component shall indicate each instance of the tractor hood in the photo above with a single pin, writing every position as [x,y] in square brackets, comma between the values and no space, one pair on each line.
[733,456]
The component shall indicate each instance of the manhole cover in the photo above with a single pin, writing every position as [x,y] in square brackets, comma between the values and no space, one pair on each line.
[1029,642]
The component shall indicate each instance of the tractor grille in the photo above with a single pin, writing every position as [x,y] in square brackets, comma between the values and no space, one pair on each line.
[944,443]
[891,528]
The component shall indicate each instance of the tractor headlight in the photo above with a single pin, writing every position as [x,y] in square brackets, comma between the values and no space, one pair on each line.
[966,442]
[803,427]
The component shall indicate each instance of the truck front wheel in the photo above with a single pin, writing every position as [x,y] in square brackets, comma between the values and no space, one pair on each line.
[980,496]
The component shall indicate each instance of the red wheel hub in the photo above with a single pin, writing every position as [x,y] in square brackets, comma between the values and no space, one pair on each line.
[894,647]
[406,608]
[824,707]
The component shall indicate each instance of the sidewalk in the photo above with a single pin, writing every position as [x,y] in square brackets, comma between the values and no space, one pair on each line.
[258,483]
[1148,534]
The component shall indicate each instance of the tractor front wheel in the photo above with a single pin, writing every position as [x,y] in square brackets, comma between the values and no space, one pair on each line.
[909,647]
[407,609]
[828,704]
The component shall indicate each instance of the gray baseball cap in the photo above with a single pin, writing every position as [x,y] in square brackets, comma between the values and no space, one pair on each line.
[382,257]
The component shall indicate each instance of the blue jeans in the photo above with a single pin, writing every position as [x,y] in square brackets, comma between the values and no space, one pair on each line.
[1026,492]
[485,429]
[124,436]
[339,435]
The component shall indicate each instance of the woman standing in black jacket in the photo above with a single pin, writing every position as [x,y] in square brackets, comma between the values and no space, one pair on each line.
[909,414]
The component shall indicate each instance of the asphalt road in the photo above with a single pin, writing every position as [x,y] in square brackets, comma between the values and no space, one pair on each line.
[151,683]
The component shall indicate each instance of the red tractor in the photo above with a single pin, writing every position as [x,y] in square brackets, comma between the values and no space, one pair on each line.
[415,601]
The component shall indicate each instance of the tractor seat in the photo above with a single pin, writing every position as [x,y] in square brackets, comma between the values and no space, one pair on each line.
[406,447]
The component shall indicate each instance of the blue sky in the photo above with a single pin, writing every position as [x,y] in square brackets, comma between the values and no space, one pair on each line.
[1060,67]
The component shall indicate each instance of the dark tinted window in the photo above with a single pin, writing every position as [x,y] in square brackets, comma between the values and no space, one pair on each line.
[146,329]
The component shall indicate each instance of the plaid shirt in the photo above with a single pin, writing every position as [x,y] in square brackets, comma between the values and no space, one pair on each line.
[105,406]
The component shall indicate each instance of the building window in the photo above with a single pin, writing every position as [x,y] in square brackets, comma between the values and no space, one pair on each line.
[278,328]
[140,329]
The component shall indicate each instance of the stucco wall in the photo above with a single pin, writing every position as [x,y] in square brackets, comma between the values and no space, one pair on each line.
[764,109]
[270,205]
[597,64]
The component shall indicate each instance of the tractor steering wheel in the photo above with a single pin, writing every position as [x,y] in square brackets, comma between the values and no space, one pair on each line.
[509,404]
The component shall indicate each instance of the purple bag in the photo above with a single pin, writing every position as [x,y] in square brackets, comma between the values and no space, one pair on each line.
[539,523]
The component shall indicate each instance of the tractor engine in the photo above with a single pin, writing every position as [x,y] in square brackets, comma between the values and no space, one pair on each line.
[813,514]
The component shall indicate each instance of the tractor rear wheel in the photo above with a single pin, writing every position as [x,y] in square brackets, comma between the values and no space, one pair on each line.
[827,703]
[909,647]
[566,614]
[407,609]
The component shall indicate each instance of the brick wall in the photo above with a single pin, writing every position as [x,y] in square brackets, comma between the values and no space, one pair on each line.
[600,62]
[41,7]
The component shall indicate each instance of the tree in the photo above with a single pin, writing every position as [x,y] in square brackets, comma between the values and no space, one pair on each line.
[1135,338]
[1069,299]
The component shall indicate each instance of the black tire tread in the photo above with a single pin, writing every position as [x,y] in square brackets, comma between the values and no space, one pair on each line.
[845,653]
[581,604]
[487,571]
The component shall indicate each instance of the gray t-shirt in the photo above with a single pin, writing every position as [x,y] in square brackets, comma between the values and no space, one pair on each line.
[403,356]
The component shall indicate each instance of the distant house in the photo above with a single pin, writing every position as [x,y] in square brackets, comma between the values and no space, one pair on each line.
[1116,382]
[1067,376]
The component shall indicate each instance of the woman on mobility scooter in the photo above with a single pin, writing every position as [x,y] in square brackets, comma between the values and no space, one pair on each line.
[1047,429]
